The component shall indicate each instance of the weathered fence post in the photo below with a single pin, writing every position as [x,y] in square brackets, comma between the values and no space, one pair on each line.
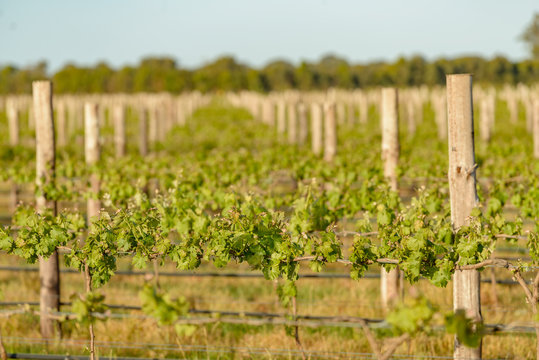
[143,131]
[92,153]
[13,121]
[330,132]
[316,128]
[390,281]
[61,123]
[153,112]
[49,274]
[462,191]
[281,117]
[440,116]
[292,123]
[118,116]
[363,108]
[487,110]
[411,110]
[303,132]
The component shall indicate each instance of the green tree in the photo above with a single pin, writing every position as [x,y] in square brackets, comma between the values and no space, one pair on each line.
[280,75]
[531,36]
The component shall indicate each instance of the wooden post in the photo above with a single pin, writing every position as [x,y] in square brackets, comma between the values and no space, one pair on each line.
[302,122]
[316,128]
[363,108]
[512,106]
[281,117]
[143,131]
[61,123]
[486,120]
[390,135]
[153,125]
[271,116]
[162,114]
[440,115]
[118,116]
[13,121]
[71,119]
[292,123]
[411,107]
[92,153]
[390,281]
[49,274]
[330,132]
[462,191]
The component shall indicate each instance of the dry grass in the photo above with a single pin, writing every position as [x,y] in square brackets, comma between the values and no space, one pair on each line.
[317,297]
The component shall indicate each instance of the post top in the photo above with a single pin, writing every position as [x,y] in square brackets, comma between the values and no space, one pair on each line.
[458,75]
[38,82]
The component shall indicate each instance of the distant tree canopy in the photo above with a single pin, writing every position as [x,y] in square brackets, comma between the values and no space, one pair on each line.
[227,74]
[531,36]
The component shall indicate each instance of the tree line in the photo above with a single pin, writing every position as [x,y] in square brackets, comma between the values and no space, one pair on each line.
[158,74]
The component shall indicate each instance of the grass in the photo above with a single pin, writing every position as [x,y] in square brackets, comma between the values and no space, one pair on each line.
[328,297]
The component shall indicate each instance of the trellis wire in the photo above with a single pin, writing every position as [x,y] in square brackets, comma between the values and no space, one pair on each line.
[237,275]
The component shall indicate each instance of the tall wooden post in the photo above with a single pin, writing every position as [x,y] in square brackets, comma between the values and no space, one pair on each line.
[162,114]
[292,123]
[486,121]
[390,281]
[281,117]
[390,135]
[270,116]
[363,108]
[330,132]
[302,123]
[316,128]
[13,121]
[512,105]
[61,123]
[143,131]
[462,191]
[71,118]
[411,107]
[92,153]
[49,274]
[153,124]
[440,115]
[118,116]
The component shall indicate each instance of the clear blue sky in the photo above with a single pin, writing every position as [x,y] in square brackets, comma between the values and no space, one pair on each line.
[197,31]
